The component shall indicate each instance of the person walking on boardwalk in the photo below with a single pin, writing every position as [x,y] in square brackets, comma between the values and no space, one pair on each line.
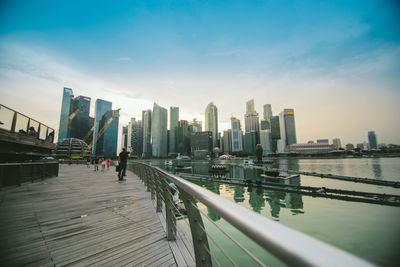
[103,164]
[108,163]
[122,161]
[96,163]
[88,162]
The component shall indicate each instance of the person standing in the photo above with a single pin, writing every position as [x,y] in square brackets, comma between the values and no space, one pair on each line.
[96,164]
[122,161]
[103,164]
[108,162]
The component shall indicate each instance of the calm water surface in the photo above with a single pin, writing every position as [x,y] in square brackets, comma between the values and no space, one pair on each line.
[369,231]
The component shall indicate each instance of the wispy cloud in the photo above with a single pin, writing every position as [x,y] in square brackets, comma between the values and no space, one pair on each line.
[125,59]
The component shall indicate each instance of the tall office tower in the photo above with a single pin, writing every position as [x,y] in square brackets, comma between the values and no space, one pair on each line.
[336,143]
[195,126]
[267,112]
[275,133]
[349,147]
[372,140]
[182,137]
[173,124]
[251,118]
[107,142]
[288,128]
[211,120]
[100,108]
[227,141]
[124,137]
[135,137]
[265,136]
[65,112]
[201,141]
[147,134]
[159,134]
[80,125]
[237,135]
[250,141]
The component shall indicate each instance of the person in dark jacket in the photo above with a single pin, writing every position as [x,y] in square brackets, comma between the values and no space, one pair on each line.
[122,161]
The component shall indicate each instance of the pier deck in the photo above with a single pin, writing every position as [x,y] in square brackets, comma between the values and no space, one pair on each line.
[84,218]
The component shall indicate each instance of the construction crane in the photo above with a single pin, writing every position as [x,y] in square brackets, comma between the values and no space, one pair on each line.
[69,120]
[90,132]
[101,132]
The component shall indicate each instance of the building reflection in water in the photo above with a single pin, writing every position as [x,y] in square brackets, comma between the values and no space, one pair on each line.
[376,168]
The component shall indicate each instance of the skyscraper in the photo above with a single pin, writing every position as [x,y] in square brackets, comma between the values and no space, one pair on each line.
[159,134]
[182,137]
[267,112]
[80,125]
[275,133]
[211,121]
[195,126]
[288,128]
[227,141]
[65,112]
[237,135]
[336,143]
[251,118]
[107,142]
[124,137]
[147,134]
[265,137]
[250,141]
[135,137]
[173,123]
[100,108]
[372,140]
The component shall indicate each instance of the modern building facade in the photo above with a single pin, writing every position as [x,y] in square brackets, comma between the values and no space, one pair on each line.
[311,148]
[227,141]
[275,133]
[337,144]
[267,112]
[183,137]
[146,134]
[173,124]
[250,141]
[100,108]
[80,125]
[265,136]
[135,137]
[372,140]
[65,112]
[211,122]
[201,141]
[251,119]
[124,137]
[107,142]
[159,135]
[195,126]
[287,128]
[322,141]
[237,135]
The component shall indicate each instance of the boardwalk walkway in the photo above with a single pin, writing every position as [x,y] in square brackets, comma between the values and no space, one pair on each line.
[83,218]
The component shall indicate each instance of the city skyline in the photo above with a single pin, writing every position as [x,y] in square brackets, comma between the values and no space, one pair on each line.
[335,64]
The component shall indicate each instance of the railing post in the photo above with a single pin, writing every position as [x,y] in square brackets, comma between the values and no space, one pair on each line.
[169,210]
[157,184]
[200,241]
[152,183]
[14,122]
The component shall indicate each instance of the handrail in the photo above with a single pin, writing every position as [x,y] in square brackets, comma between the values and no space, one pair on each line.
[290,246]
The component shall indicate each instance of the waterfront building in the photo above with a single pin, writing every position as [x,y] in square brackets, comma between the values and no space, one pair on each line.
[135,137]
[360,146]
[124,137]
[237,135]
[195,126]
[265,124]
[80,125]
[337,143]
[267,112]
[287,128]
[322,141]
[372,140]
[349,147]
[201,141]
[266,141]
[227,141]
[65,112]
[311,148]
[100,108]
[275,133]
[159,134]
[173,124]
[251,120]
[211,122]
[107,142]
[182,137]
[146,134]
[250,141]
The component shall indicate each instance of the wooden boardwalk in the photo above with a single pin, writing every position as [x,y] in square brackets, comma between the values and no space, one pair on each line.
[85,218]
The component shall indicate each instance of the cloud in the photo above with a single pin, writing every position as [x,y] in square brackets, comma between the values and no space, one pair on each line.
[125,59]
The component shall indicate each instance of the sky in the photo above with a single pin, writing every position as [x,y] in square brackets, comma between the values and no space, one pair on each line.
[336,63]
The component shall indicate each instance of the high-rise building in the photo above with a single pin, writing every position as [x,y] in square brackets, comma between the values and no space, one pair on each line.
[65,112]
[211,121]
[336,143]
[182,137]
[159,135]
[288,128]
[100,108]
[227,141]
[265,124]
[124,137]
[265,136]
[267,112]
[195,126]
[250,141]
[107,142]
[173,124]
[135,137]
[275,133]
[201,141]
[237,135]
[372,140]
[80,125]
[251,120]
[349,147]
[146,134]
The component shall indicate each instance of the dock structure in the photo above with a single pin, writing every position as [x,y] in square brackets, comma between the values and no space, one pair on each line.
[83,217]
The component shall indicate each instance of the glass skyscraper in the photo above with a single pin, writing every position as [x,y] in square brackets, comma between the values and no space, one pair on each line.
[267,112]
[146,134]
[287,127]
[372,140]
[173,124]
[275,132]
[211,122]
[237,135]
[159,134]
[107,143]
[80,125]
[65,112]
[100,107]
[135,137]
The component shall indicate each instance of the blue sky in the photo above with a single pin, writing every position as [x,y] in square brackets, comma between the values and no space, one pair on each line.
[337,63]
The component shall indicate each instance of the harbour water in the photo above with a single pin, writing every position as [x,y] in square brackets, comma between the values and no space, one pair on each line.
[370,231]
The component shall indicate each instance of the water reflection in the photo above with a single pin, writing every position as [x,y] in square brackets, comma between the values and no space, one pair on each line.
[238,194]
[376,168]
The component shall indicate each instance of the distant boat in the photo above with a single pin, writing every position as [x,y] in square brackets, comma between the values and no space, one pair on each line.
[218,168]
[168,163]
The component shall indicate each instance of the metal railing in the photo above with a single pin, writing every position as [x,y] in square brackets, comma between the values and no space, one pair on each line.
[15,122]
[289,246]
